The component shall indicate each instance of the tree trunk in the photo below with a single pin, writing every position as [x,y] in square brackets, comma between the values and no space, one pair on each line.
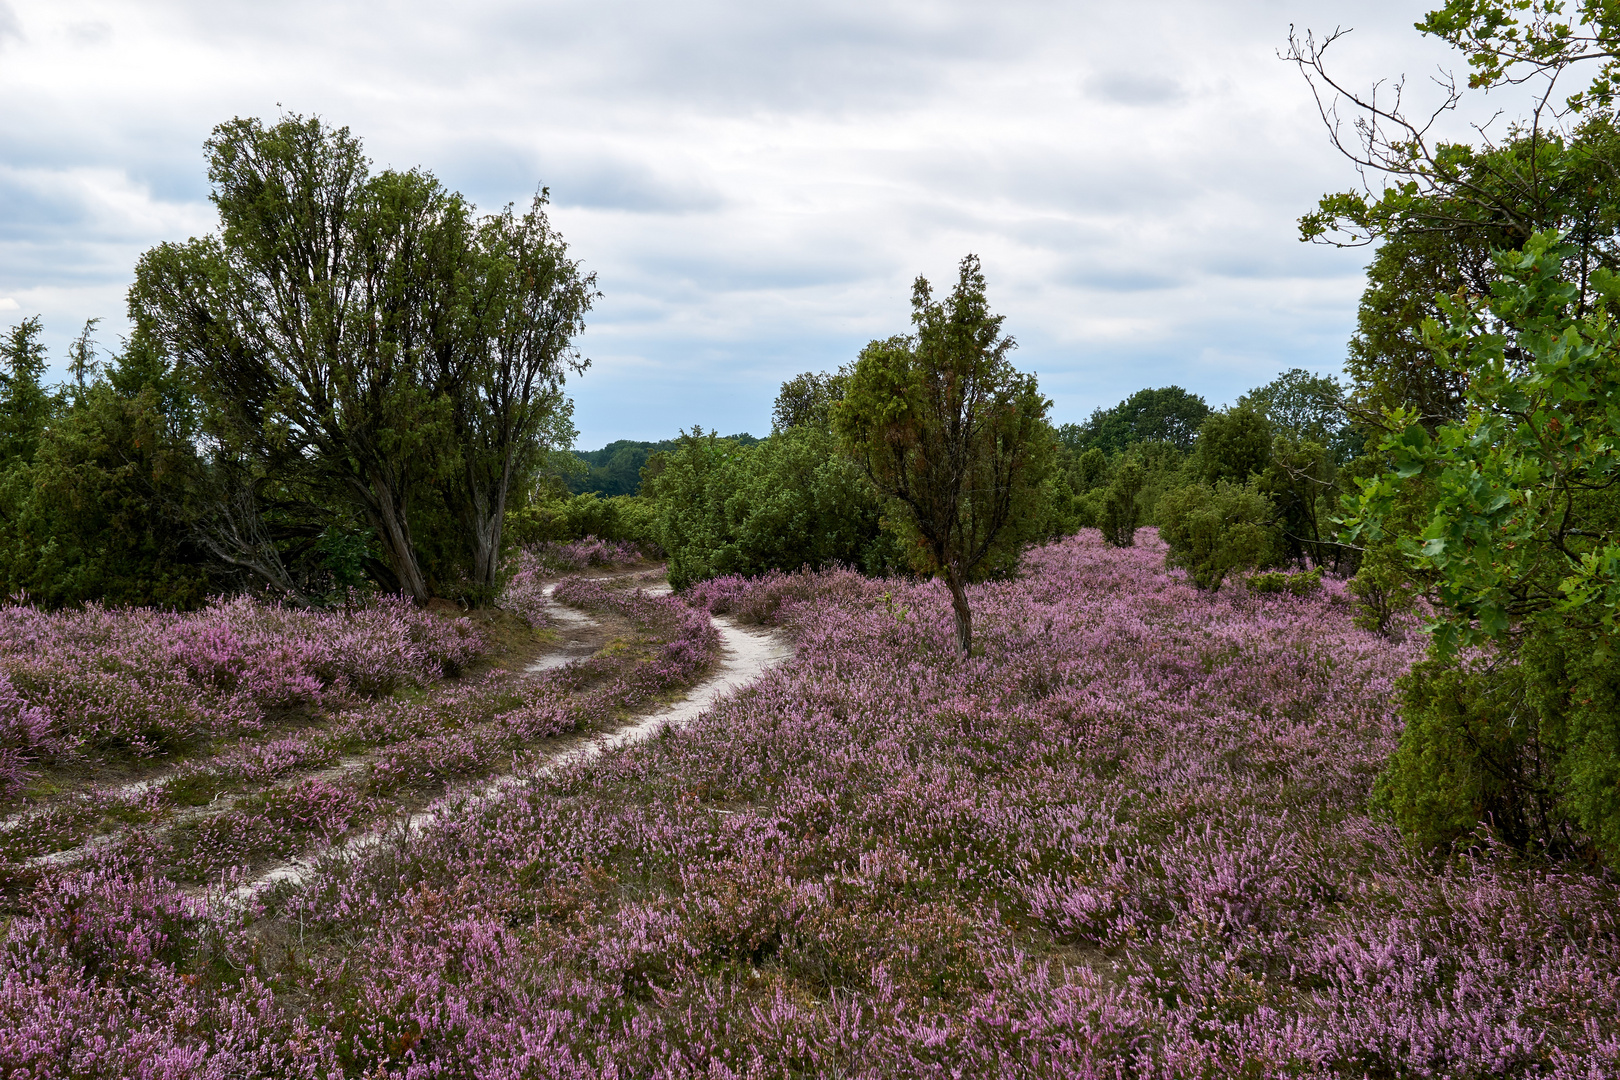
[482,511]
[959,606]
[388,518]
[486,546]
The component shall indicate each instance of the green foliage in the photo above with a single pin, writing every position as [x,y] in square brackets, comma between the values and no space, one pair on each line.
[507,349]
[1212,531]
[1168,414]
[556,516]
[1088,489]
[412,379]
[953,437]
[1090,469]
[1306,408]
[1295,583]
[1466,756]
[1301,482]
[1388,362]
[1120,511]
[1507,40]
[94,490]
[1384,588]
[1520,522]
[1487,362]
[25,405]
[806,400]
[788,501]
[1527,744]
[1234,445]
[1517,523]
[615,469]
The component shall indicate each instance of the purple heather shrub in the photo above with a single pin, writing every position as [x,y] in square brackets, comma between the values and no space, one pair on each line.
[1128,839]
[24,736]
[555,557]
[265,762]
[145,682]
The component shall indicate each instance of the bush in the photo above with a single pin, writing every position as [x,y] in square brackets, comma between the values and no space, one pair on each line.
[1299,583]
[1234,445]
[787,502]
[1385,589]
[1120,512]
[1212,532]
[556,518]
[1464,758]
[1529,748]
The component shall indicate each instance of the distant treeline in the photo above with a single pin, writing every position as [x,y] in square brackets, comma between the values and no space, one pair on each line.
[616,468]
[1249,487]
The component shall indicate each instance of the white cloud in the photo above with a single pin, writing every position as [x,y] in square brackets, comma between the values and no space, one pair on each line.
[8,304]
[756,185]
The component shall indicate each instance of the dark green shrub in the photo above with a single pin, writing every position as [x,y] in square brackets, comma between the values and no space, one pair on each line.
[1528,748]
[563,518]
[1298,583]
[1213,531]
[1120,513]
[786,502]
[1234,445]
[1385,589]
[1467,754]
[1090,469]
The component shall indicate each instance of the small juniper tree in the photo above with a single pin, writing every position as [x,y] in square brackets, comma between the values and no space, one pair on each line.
[952,435]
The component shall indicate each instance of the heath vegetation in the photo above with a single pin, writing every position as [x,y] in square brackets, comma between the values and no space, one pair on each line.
[1274,739]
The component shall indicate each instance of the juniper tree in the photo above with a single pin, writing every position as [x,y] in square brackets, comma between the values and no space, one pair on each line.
[952,435]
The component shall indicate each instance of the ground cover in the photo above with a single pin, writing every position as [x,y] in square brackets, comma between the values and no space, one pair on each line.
[350,752]
[1129,837]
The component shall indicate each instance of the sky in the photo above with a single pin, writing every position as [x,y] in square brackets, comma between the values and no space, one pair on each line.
[755,184]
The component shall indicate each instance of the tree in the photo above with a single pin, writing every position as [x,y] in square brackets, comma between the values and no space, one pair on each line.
[505,371]
[1438,209]
[362,341]
[952,435]
[1389,365]
[1212,530]
[25,405]
[1234,445]
[82,363]
[1305,408]
[1503,501]
[807,399]
[1168,414]
[1521,525]
[308,320]
[1120,511]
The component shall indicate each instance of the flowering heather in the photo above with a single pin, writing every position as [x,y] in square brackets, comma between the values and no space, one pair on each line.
[258,800]
[143,683]
[555,558]
[1129,839]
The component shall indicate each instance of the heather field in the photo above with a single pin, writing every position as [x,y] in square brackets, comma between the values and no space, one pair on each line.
[1128,838]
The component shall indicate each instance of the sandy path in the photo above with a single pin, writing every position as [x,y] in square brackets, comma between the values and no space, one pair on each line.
[745,656]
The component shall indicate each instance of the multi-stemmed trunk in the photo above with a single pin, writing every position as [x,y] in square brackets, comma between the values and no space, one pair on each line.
[480,506]
[384,506]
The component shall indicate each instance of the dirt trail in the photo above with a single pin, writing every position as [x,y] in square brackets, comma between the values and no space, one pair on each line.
[745,656]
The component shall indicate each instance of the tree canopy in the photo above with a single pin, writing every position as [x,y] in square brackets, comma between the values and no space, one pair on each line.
[952,435]
[364,340]
[1167,414]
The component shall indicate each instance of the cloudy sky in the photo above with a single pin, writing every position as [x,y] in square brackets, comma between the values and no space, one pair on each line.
[755,183]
